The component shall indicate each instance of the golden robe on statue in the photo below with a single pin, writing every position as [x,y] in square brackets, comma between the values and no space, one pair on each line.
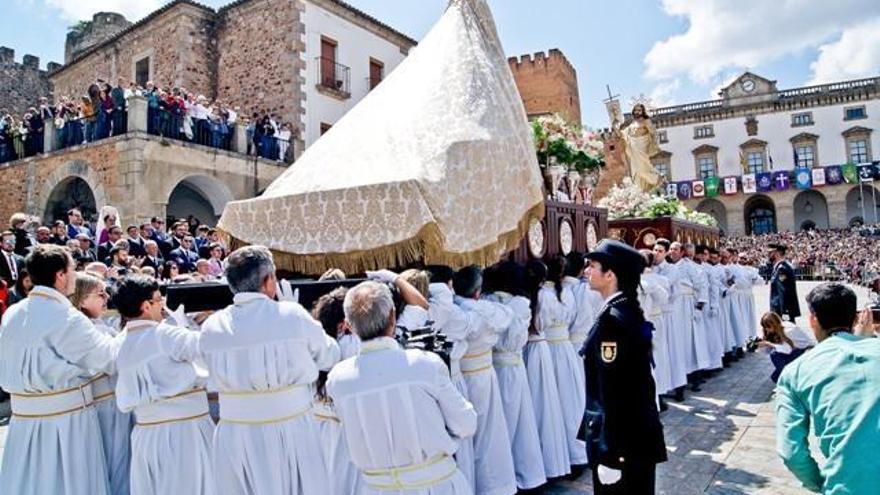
[640,144]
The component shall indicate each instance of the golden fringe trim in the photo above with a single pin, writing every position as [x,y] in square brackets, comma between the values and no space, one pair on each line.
[426,246]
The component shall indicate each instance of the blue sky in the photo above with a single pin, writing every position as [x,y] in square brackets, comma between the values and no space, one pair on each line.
[674,51]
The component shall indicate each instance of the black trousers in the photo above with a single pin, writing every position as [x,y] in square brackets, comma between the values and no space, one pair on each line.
[634,480]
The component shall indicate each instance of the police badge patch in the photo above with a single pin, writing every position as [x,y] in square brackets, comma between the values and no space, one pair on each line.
[609,351]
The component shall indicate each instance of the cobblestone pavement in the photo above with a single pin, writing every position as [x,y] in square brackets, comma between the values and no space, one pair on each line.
[720,441]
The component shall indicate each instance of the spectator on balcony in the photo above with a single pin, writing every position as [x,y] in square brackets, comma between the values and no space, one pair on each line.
[284,142]
[219,129]
[200,126]
[152,95]
[268,142]
[7,151]
[105,113]
[117,94]
[89,118]
[36,126]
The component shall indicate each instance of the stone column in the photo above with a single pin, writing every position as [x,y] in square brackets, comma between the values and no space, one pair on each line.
[239,139]
[137,113]
[835,196]
[49,136]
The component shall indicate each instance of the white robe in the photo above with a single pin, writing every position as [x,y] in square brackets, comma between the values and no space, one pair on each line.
[653,296]
[115,430]
[457,326]
[514,384]
[343,477]
[743,305]
[554,319]
[548,408]
[493,460]
[260,347]
[156,367]
[588,303]
[711,320]
[399,408]
[46,345]
[676,332]
[690,289]
[723,275]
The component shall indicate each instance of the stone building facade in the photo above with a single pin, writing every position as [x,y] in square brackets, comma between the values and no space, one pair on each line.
[548,84]
[86,34]
[22,84]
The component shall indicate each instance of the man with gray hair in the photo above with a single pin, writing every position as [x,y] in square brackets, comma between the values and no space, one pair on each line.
[264,357]
[416,416]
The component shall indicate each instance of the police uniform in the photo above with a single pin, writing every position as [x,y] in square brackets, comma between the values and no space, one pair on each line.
[783,289]
[623,425]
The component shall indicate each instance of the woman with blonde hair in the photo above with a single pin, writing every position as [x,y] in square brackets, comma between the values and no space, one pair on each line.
[784,341]
[90,296]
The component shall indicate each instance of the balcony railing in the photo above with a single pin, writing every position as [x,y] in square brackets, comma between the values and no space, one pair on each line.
[334,76]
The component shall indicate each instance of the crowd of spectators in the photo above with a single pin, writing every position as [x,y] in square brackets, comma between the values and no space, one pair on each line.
[187,252]
[850,255]
[172,112]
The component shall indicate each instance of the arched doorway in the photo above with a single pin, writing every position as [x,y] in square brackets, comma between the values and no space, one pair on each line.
[863,202]
[811,209]
[717,209]
[200,196]
[72,192]
[760,215]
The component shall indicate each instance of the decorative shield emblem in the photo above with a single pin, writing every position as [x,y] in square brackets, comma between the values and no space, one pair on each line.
[609,351]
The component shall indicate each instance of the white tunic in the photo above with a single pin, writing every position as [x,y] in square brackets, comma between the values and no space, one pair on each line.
[690,289]
[457,326]
[46,346]
[676,333]
[723,276]
[159,382]
[514,384]
[554,319]
[743,304]
[653,296]
[264,357]
[711,321]
[399,409]
[115,428]
[343,477]
[587,305]
[548,409]
[493,460]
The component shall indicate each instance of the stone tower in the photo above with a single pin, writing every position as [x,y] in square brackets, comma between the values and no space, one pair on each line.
[547,84]
[22,84]
[86,34]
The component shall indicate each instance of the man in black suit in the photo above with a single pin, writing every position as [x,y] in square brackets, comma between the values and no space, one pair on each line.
[136,243]
[184,256]
[153,258]
[113,235]
[624,434]
[10,263]
[783,286]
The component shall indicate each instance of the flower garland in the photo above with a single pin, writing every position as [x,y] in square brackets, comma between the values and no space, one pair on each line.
[627,200]
[569,145]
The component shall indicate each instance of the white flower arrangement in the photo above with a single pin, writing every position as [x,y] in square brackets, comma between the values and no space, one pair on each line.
[627,200]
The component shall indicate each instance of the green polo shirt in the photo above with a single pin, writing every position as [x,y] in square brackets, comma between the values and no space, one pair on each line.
[836,388]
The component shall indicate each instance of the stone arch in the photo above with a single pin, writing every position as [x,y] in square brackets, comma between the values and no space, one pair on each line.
[871,198]
[760,215]
[64,176]
[715,208]
[810,210]
[199,195]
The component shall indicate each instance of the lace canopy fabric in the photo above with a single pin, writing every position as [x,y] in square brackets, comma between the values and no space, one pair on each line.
[435,164]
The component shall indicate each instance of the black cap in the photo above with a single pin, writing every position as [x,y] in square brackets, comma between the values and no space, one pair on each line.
[622,259]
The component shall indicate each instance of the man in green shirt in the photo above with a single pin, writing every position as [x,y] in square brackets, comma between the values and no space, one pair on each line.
[836,387]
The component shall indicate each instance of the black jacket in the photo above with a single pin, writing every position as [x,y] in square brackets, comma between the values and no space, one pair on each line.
[783,291]
[6,272]
[623,424]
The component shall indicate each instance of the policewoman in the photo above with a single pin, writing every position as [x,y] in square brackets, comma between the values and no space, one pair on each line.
[624,434]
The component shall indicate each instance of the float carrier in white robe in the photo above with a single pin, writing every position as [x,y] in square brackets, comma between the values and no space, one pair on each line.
[554,319]
[676,331]
[493,461]
[49,356]
[653,296]
[402,419]
[159,381]
[263,357]
[690,289]
[711,319]
[514,384]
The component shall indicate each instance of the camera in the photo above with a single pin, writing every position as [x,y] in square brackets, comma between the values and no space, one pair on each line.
[426,339]
[752,344]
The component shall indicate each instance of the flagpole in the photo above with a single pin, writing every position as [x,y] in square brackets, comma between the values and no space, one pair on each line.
[874,194]
[862,200]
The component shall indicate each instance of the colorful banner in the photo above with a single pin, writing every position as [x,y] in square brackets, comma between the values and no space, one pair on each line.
[729,186]
[781,180]
[803,178]
[712,186]
[850,173]
[699,188]
[672,190]
[750,184]
[684,190]
[818,176]
[833,175]
[867,173]
[765,182]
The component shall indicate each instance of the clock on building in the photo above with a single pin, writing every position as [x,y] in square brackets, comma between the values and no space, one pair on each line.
[748,85]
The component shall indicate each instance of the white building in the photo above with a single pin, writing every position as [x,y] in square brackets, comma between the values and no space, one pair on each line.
[755,128]
[347,54]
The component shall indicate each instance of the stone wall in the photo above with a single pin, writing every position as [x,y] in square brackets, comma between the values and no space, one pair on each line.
[86,34]
[259,69]
[21,84]
[178,40]
[547,84]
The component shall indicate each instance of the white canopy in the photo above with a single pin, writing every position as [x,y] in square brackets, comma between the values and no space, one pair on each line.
[436,163]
